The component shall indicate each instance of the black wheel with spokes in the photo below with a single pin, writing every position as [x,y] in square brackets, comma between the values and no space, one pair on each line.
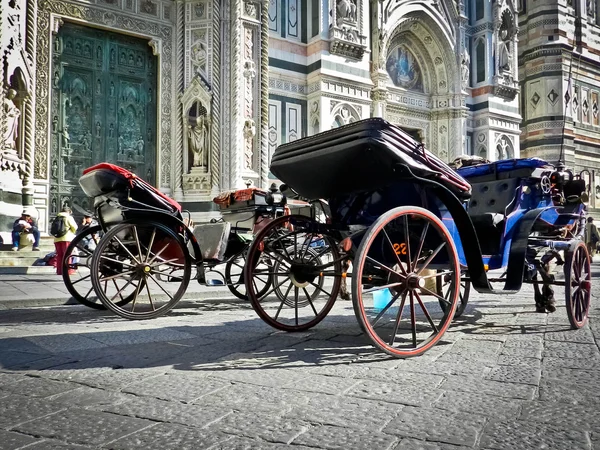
[234,277]
[305,278]
[444,284]
[391,275]
[148,261]
[578,284]
[76,268]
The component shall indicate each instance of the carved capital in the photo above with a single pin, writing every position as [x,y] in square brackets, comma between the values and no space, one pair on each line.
[56,24]
[156,46]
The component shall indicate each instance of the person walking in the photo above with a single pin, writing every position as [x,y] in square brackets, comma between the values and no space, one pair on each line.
[591,236]
[89,242]
[63,229]
[25,224]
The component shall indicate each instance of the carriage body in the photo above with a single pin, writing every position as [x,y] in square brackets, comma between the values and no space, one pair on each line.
[405,218]
[147,241]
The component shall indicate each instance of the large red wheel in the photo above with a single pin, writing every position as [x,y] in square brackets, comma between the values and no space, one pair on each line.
[578,284]
[394,292]
[305,268]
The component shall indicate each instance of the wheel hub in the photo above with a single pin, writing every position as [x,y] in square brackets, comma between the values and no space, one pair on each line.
[300,276]
[585,285]
[414,281]
[144,269]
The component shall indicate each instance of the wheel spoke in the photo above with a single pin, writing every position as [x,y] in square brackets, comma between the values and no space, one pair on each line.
[413,320]
[428,260]
[150,297]
[388,306]
[150,245]
[282,302]
[384,267]
[81,279]
[119,275]
[421,242]
[427,291]
[160,286]
[320,288]
[437,274]
[130,281]
[116,261]
[117,288]
[137,243]
[407,240]
[400,264]
[296,292]
[426,312]
[379,288]
[398,319]
[126,249]
[309,298]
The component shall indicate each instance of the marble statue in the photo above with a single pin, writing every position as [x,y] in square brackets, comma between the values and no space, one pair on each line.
[198,141]
[11,113]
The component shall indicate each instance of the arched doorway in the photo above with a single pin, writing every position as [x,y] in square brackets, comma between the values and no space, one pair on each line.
[103,109]
[423,83]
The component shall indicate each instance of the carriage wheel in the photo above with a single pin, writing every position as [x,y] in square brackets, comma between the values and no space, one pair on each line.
[234,277]
[578,284]
[148,261]
[443,288]
[307,289]
[388,280]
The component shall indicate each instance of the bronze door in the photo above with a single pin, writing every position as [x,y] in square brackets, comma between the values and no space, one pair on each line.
[103,109]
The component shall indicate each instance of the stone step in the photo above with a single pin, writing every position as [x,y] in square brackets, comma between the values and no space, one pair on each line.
[28,270]
[20,261]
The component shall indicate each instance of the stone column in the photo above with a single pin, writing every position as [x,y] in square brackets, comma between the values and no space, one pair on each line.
[29,106]
[264,95]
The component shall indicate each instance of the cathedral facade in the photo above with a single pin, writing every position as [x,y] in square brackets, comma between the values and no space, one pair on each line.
[195,95]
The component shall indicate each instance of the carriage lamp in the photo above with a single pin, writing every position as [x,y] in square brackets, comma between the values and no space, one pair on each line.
[526,190]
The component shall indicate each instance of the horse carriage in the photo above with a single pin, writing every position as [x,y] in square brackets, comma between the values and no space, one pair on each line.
[419,235]
[143,244]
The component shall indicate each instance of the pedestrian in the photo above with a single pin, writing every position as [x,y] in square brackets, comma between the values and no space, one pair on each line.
[63,229]
[591,236]
[89,242]
[25,224]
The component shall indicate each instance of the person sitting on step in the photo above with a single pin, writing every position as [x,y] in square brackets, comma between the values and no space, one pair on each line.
[25,224]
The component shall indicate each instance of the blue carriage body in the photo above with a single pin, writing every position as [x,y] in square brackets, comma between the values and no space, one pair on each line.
[370,167]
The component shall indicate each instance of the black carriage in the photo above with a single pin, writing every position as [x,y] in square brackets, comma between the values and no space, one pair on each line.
[144,244]
[418,235]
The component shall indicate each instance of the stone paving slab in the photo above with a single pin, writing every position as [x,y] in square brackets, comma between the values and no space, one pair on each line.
[212,375]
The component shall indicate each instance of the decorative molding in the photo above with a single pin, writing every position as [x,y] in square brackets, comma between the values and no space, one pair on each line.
[53,12]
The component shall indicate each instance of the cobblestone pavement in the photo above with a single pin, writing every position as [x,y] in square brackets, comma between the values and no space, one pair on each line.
[212,375]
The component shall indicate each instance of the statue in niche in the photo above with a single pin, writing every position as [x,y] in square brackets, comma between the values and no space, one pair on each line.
[112,56]
[120,144]
[12,113]
[504,51]
[140,145]
[198,141]
[53,207]
[65,136]
[99,52]
[112,89]
[465,66]
[56,83]
[111,130]
[98,129]
[98,86]
[85,140]
[54,170]
[54,124]
[346,9]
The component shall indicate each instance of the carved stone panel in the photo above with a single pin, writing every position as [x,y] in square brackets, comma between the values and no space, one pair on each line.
[103,107]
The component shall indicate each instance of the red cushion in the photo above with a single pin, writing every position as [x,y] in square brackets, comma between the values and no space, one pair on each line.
[131,176]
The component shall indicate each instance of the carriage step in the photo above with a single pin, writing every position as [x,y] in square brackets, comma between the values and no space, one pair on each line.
[215,283]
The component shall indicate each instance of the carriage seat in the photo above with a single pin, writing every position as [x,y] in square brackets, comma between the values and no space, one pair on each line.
[212,239]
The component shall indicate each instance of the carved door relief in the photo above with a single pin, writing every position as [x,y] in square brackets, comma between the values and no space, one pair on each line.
[103,109]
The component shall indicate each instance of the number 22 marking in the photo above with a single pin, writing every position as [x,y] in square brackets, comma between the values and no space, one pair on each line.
[400,249]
